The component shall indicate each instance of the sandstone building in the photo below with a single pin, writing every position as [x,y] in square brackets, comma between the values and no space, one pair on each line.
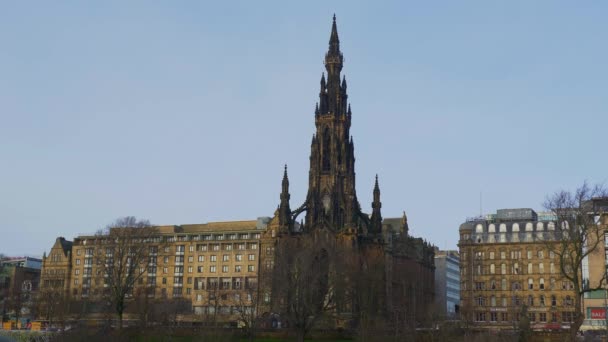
[214,266]
[506,266]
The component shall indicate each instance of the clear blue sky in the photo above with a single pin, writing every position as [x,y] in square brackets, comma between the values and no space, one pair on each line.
[185,112]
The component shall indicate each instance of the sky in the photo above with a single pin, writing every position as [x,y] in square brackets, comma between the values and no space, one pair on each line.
[185,112]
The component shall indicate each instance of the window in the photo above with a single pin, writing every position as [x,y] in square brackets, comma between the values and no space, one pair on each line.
[515,286]
[179,259]
[166,260]
[167,249]
[190,268]
[503,268]
[239,257]
[530,268]
[568,301]
[191,248]
[240,246]
[516,301]
[530,300]
[77,272]
[251,257]
[541,268]
[77,261]
[504,302]
[237,268]
[76,281]
[492,269]
[226,257]
[532,316]
[201,258]
[251,268]
[480,301]
[165,270]
[541,254]
[164,280]
[542,284]
[203,248]
[199,269]
[503,285]
[480,286]
[541,299]
[228,247]
[492,284]
[493,316]
[215,247]
[492,301]
[567,316]
[530,284]
[515,268]
[190,258]
[214,258]
[553,301]
[529,254]
[224,269]
[212,269]
[551,255]
[180,249]
[179,269]
[503,255]
[552,268]
[554,317]
[480,316]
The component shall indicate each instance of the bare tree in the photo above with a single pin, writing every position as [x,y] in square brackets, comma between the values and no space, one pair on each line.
[577,235]
[246,304]
[302,290]
[53,303]
[122,259]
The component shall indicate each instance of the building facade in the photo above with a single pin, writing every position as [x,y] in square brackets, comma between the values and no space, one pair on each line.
[19,284]
[447,283]
[594,268]
[211,265]
[507,270]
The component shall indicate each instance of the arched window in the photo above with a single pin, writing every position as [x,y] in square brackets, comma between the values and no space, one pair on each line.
[530,284]
[491,228]
[515,227]
[326,149]
[515,268]
[551,226]
[530,300]
[530,268]
[492,284]
[503,285]
[479,228]
[529,227]
[565,225]
[552,284]
[492,269]
[541,268]
[542,283]
[540,226]
[502,228]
